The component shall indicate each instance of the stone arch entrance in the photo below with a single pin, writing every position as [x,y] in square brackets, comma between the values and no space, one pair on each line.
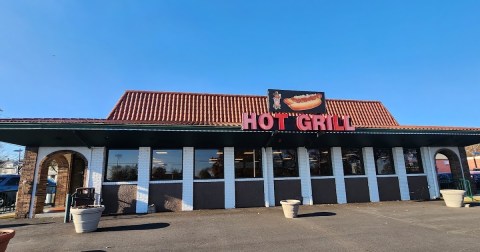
[70,167]
[449,169]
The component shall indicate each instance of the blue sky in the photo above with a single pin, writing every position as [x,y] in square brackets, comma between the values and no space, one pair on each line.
[76,58]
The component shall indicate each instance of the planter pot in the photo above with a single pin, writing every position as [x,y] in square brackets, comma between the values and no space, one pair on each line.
[453,198]
[86,219]
[5,236]
[290,208]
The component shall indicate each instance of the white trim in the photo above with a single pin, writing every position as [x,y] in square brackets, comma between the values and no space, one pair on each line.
[229,176]
[387,176]
[166,181]
[287,178]
[416,174]
[355,176]
[208,180]
[120,183]
[248,179]
[337,165]
[270,200]
[371,172]
[322,177]
[143,186]
[187,185]
[429,169]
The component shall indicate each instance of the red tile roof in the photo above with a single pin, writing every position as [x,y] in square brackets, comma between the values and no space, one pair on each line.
[226,110]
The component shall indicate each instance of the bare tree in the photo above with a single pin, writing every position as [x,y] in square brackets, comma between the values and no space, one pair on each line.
[473,150]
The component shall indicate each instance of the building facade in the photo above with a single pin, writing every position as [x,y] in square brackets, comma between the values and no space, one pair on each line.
[186,151]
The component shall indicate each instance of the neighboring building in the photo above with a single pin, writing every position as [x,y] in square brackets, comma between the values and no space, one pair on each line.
[8,167]
[185,151]
[473,162]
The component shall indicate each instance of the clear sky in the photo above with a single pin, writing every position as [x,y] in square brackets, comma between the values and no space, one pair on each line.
[76,58]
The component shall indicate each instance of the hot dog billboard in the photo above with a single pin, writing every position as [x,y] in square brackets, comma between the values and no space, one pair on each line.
[287,101]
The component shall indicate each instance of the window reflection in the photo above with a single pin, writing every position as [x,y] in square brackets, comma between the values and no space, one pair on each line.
[352,161]
[320,162]
[166,165]
[383,161]
[122,165]
[208,164]
[248,163]
[285,163]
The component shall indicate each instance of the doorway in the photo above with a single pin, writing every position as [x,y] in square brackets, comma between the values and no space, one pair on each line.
[449,170]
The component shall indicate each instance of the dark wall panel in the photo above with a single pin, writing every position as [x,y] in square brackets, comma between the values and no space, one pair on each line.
[208,195]
[249,194]
[357,190]
[287,189]
[166,197]
[119,199]
[418,186]
[388,188]
[324,191]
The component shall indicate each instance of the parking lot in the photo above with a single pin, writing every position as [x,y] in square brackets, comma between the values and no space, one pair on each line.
[390,226]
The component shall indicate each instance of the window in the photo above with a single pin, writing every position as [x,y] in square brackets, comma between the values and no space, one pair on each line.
[413,161]
[208,164]
[320,162]
[383,161]
[352,161]
[122,165]
[285,163]
[166,165]
[13,181]
[248,163]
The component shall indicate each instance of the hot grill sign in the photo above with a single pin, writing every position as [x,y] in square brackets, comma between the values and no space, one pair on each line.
[303,122]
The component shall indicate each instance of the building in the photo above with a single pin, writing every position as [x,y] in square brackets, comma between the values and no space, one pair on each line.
[185,151]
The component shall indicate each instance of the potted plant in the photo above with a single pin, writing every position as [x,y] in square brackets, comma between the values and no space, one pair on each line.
[86,218]
[452,197]
[290,207]
[5,236]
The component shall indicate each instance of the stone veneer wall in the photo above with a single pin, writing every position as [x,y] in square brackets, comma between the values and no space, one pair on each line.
[25,186]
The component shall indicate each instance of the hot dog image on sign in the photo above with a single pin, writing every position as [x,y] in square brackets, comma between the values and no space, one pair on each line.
[307,102]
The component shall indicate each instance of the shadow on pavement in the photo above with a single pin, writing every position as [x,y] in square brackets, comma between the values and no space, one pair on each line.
[317,214]
[134,227]
[23,224]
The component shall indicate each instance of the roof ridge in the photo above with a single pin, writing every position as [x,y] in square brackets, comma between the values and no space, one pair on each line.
[190,93]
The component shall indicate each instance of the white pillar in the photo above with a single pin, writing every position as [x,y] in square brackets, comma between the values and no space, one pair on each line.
[268,186]
[143,183]
[229,174]
[187,188]
[305,179]
[370,171]
[339,176]
[429,169]
[400,170]
[96,168]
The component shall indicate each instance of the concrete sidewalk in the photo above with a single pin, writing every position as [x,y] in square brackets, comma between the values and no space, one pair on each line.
[386,226]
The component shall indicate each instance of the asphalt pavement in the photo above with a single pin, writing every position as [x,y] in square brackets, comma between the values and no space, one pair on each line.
[385,226]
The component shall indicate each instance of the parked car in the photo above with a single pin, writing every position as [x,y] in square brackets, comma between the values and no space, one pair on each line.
[475,174]
[9,187]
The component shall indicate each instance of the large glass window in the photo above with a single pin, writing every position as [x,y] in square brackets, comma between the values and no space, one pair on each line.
[122,165]
[384,161]
[285,163]
[352,161]
[248,163]
[166,164]
[413,161]
[320,162]
[208,164]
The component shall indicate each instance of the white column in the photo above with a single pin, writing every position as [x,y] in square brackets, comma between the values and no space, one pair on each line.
[143,183]
[339,176]
[187,188]
[96,168]
[429,169]
[370,171]
[269,185]
[400,170]
[305,179]
[229,173]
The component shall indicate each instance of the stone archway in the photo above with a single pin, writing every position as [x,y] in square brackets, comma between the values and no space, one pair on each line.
[67,161]
[449,169]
